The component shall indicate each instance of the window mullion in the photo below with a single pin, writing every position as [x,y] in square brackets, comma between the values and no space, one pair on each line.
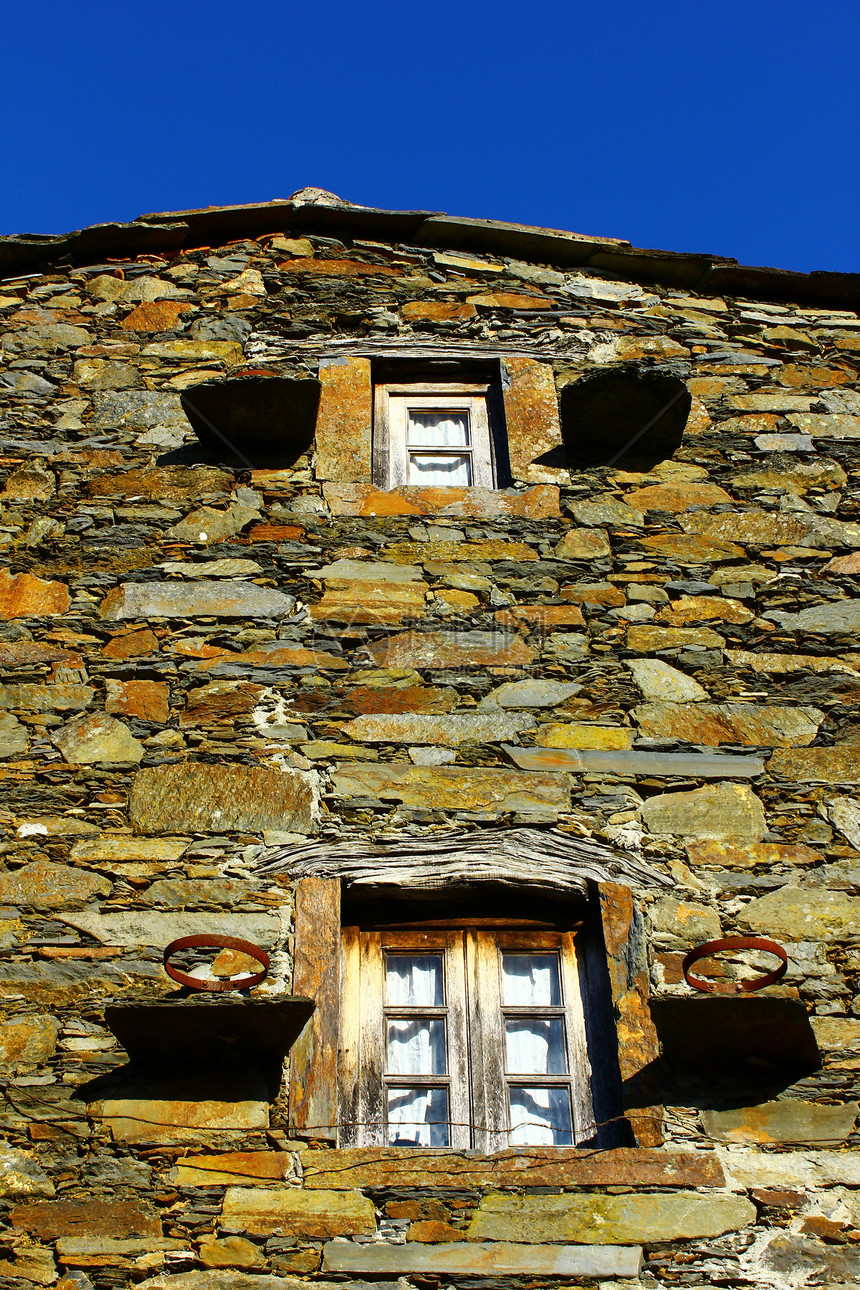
[580,1066]
[372,1115]
[489,1097]
[458,1043]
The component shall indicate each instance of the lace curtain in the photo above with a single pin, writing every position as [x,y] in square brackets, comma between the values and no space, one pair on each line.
[438,430]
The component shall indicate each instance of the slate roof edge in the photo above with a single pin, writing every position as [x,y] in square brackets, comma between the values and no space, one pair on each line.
[170,232]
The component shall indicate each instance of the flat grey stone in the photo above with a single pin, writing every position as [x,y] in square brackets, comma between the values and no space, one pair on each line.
[607,509]
[368,571]
[657,680]
[823,425]
[789,1120]
[47,336]
[457,788]
[46,698]
[803,914]
[606,1219]
[97,740]
[225,599]
[194,797]
[784,443]
[748,1167]
[227,1279]
[137,410]
[13,736]
[22,1175]
[718,811]
[498,1258]
[26,383]
[210,525]
[151,928]
[704,765]
[837,617]
[802,1257]
[134,290]
[530,694]
[448,731]
[196,569]
[844,815]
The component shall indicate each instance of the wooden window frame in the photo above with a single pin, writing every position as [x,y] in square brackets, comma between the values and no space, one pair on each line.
[476,1078]
[390,417]
[620,1031]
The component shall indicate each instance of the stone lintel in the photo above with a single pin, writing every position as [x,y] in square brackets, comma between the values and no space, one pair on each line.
[368,1167]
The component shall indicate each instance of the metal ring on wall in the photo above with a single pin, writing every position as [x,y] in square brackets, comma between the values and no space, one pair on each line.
[707,948]
[220,942]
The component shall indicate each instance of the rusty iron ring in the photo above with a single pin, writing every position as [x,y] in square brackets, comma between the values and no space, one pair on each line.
[224,943]
[707,948]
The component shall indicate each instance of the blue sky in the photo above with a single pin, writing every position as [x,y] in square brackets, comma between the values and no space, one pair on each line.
[730,128]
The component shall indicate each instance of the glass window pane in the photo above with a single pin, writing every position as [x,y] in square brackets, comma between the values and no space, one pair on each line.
[444,469]
[531,979]
[416,1046]
[535,1046]
[418,1117]
[437,429]
[414,980]
[540,1117]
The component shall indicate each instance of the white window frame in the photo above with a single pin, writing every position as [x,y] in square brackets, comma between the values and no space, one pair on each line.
[392,403]
[474,1016]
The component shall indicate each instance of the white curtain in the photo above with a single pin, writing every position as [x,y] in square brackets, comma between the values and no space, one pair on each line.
[414,980]
[540,1117]
[438,430]
[535,1046]
[531,979]
[418,1116]
[416,1046]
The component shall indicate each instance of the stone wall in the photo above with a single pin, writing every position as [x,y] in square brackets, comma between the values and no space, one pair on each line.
[202,663]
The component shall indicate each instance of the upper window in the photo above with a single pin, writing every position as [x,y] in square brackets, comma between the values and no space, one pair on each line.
[469,1037]
[432,435]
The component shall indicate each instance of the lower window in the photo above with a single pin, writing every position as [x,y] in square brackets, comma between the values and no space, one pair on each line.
[468,1037]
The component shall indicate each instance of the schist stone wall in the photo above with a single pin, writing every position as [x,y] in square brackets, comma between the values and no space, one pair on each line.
[207,664]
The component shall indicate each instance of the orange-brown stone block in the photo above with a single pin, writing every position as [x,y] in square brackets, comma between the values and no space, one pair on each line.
[366,699]
[677,497]
[219,702]
[541,617]
[48,1219]
[510,300]
[30,483]
[540,502]
[167,483]
[387,603]
[24,596]
[132,645]
[811,377]
[531,415]
[232,1167]
[697,609]
[276,533]
[597,593]
[148,700]
[691,549]
[292,1211]
[155,315]
[345,420]
[340,268]
[437,310]
[430,1230]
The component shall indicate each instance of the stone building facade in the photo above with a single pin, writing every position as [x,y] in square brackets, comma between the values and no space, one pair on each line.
[525,739]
